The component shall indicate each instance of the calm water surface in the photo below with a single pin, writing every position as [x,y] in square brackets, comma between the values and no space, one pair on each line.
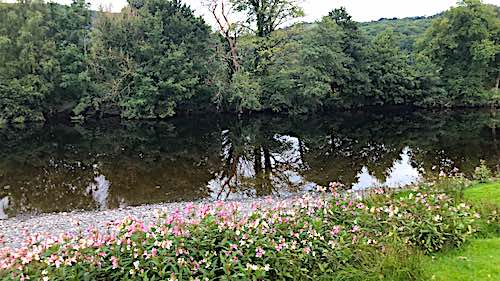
[110,163]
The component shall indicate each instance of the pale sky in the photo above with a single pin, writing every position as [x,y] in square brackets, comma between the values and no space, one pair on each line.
[361,10]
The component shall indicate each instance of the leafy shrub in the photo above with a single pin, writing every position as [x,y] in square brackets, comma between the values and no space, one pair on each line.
[482,173]
[489,225]
[310,238]
[427,221]
[453,185]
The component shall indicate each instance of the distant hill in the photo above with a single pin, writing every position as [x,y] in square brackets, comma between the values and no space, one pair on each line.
[409,29]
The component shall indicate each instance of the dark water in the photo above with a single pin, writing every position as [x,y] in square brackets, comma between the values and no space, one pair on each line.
[108,164]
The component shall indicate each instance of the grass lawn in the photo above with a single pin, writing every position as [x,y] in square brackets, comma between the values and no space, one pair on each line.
[478,260]
[486,192]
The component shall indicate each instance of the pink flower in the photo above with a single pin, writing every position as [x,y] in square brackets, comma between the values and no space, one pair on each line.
[335,230]
[259,252]
[307,250]
[114,262]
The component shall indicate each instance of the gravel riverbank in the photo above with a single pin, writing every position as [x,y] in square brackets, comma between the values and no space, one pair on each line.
[12,230]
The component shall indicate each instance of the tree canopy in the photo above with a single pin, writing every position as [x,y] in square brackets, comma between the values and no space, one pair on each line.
[155,59]
[465,46]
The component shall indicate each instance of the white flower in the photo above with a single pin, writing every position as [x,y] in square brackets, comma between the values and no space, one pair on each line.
[252,267]
[136,264]
[267,267]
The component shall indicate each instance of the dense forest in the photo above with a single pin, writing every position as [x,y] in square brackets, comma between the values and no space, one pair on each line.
[407,29]
[155,59]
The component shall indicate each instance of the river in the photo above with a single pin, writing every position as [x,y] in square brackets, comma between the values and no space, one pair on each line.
[62,166]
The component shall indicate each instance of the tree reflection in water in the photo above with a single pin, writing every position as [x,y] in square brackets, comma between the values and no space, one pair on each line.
[108,164]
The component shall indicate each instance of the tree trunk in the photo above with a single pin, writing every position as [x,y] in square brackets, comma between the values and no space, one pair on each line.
[258,161]
[494,135]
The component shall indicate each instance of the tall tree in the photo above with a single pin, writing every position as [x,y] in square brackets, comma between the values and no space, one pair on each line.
[69,26]
[352,85]
[465,44]
[221,11]
[28,65]
[149,59]
[390,73]
[43,50]
[267,15]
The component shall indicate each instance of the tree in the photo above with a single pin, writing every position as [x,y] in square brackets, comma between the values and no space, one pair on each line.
[465,44]
[28,62]
[221,11]
[352,85]
[69,28]
[149,59]
[343,19]
[267,15]
[43,65]
[390,73]
[325,64]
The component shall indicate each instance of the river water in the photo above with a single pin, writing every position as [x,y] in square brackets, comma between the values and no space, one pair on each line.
[60,166]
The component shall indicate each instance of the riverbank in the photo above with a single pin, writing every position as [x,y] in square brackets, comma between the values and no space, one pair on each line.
[13,230]
[479,259]
[382,236]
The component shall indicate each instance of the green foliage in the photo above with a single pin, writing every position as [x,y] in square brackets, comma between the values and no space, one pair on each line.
[429,221]
[409,29]
[244,93]
[155,59]
[268,15]
[43,63]
[464,45]
[312,238]
[482,173]
[147,60]
[476,260]
[392,81]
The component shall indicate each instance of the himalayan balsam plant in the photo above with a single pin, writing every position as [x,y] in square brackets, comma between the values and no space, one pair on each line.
[308,238]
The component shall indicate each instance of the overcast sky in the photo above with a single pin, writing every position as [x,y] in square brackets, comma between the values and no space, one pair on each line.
[361,10]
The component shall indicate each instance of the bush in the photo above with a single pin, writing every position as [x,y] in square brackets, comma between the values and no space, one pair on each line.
[311,238]
[427,221]
[482,173]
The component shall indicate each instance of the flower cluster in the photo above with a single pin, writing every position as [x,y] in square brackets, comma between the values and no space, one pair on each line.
[276,239]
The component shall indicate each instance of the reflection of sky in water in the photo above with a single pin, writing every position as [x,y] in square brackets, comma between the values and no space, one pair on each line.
[400,174]
[285,165]
[4,204]
[99,191]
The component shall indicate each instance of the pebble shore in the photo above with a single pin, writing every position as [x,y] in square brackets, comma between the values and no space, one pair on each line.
[11,230]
